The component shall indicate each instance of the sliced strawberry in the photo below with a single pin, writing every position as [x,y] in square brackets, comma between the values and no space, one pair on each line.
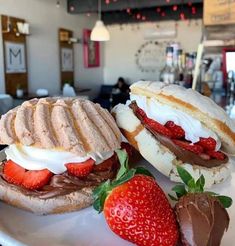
[216,154]
[177,131]
[159,128]
[128,148]
[34,180]
[207,143]
[13,173]
[80,169]
[141,112]
[106,165]
[197,149]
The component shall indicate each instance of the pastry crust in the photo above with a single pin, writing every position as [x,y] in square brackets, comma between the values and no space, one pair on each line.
[74,125]
[193,103]
[160,156]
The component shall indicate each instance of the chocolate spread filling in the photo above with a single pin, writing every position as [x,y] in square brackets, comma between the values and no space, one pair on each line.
[182,154]
[202,220]
[63,184]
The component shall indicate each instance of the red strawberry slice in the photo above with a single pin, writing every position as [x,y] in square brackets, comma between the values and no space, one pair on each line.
[177,131]
[128,148]
[32,180]
[154,125]
[13,173]
[207,143]
[141,112]
[80,169]
[216,154]
[197,149]
[159,128]
[107,164]
[35,180]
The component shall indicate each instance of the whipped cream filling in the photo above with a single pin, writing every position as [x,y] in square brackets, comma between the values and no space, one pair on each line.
[32,158]
[162,113]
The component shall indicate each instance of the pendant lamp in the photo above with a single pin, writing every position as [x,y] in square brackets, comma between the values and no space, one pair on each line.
[99,31]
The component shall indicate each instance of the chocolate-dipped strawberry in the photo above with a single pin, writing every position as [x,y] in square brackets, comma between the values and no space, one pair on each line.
[202,216]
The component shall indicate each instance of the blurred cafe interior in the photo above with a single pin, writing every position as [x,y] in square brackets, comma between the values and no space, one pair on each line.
[97,49]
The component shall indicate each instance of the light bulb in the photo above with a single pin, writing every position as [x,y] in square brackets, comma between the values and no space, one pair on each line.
[58,4]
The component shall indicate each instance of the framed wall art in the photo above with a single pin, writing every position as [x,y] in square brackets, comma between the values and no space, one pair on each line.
[66,56]
[15,57]
[91,50]
[66,60]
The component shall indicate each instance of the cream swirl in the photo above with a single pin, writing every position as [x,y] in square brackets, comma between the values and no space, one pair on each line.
[162,113]
[32,158]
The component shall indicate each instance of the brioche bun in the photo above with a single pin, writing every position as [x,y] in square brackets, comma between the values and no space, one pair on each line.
[160,156]
[193,103]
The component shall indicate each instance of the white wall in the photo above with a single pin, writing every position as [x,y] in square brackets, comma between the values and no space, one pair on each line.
[120,50]
[42,46]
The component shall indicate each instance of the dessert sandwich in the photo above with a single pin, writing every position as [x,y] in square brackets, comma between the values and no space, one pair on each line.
[58,151]
[172,126]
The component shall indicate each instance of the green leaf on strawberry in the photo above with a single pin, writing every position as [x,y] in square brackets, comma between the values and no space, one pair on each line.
[200,183]
[225,200]
[179,190]
[124,174]
[142,170]
[124,178]
[123,159]
[184,175]
[192,186]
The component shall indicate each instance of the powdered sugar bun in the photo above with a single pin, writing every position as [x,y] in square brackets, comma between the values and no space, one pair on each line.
[68,124]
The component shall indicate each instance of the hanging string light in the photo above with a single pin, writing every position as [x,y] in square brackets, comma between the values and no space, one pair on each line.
[193,10]
[182,16]
[175,8]
[158,9]
[138,16]
[128,10]
[182,10]
[71,8]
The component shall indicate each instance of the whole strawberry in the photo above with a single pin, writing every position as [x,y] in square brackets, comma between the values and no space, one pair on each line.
[136,208]
[202,216]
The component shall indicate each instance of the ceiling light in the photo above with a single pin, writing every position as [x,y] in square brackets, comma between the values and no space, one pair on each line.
[99,31]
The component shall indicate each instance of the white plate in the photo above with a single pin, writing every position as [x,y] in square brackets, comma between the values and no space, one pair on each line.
[83,228]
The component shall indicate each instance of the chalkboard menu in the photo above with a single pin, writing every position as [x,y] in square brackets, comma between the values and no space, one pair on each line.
[219,12]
